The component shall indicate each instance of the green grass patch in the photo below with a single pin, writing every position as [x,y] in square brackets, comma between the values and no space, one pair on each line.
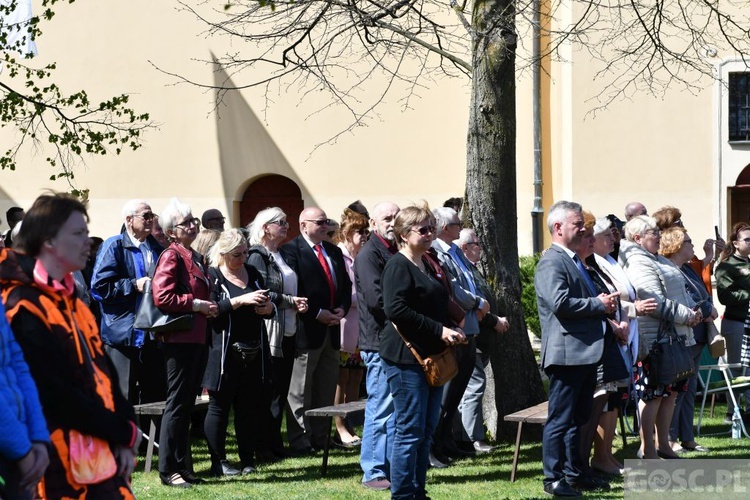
[487,476]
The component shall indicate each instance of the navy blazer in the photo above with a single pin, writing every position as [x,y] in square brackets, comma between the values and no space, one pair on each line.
[571,317]
[312,283]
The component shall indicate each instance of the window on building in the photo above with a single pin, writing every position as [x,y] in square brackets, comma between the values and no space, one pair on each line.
[739,107]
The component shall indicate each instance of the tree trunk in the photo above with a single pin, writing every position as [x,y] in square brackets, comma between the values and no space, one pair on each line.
[491,188]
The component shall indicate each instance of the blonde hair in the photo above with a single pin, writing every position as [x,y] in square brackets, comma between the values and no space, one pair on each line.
[205,239]
[226,242]
[672,240]
[408,217]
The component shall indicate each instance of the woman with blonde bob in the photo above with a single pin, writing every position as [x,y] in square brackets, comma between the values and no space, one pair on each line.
[267,231]
[655,276]
[415,302]
[238,373]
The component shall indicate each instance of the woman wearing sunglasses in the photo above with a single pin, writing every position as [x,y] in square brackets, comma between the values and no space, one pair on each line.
[415,302]
[181,285]
[267,231]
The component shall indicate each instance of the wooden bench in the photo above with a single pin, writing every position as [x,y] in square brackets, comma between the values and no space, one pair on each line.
[154,411]
[538,415]
[342,410]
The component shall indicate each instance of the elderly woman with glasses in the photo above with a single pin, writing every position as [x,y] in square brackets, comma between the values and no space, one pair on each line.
[267,231]
[238,373]
[416,305]
[181,285]
[655,276]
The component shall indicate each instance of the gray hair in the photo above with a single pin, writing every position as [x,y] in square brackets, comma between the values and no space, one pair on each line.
[130,206]
[255,228]
[443,217]
[228,241]
[638,225]
[559,211]
[174,213]
[465,236]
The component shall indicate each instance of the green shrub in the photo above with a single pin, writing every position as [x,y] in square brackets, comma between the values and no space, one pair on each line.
[527,265]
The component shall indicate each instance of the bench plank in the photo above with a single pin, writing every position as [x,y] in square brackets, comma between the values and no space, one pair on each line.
[342,410]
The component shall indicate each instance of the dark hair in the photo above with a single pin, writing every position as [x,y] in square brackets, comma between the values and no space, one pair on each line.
[733,236]
[455,203]
[11,214]
[44,220]
[358,207]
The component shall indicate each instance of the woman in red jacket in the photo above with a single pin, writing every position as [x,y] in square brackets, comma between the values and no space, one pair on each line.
[181,285]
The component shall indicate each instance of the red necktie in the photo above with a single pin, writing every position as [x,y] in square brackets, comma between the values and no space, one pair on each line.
[329,277]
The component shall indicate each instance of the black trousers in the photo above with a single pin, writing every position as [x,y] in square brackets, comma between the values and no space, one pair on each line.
[185,366]
[282,377]
[243,388]
[140,372]
[466,355]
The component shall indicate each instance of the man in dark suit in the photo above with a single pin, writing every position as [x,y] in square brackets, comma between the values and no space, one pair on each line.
[572,344]
[322,278]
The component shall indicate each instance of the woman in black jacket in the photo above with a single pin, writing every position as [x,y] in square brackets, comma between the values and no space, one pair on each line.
[416,303]
[238,371]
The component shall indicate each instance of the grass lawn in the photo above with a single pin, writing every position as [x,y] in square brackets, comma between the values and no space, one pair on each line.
[487,476]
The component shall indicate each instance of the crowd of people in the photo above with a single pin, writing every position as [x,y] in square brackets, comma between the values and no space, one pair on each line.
[274,327]
[606,294]
[278,327]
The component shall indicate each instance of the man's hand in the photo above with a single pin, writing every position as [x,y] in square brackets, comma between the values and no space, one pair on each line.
[141,282]
[329,318]
[502,325]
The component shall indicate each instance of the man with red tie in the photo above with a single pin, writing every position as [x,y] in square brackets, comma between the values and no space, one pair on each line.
[323,279]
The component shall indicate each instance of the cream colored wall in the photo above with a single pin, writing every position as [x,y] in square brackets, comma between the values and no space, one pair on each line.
[108,48]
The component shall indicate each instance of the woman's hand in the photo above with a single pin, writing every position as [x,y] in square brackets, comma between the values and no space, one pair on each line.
[714,314]
[125,459]
[452,337]
[264,308]
[300,304]
[694,318]
[646,306]
[205,307]
[254,298]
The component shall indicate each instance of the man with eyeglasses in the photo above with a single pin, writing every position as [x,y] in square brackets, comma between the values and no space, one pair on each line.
[323,279]
[123,265]
[469,297]
[213,219]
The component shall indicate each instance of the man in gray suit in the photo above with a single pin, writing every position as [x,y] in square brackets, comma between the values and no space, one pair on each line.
[572,318]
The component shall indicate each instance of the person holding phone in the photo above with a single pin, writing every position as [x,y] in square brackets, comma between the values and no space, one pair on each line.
[238,373]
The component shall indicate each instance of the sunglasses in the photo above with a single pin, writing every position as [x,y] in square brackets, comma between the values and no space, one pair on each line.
[281,223]
[195,221]
[147,216]
[425,230]
[320,222]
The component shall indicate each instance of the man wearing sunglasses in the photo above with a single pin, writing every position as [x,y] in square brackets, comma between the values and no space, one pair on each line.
[123,265]
[323,279]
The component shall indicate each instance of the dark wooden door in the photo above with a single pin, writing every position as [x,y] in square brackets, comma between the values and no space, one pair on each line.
[273,191]
[739,200]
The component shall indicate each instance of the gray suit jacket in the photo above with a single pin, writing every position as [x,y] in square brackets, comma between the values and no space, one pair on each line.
[571,318]
[461,294]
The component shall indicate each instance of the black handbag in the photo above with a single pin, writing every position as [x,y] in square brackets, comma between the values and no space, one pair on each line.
[150,318]
[613,364]
[246,351]
[669,358]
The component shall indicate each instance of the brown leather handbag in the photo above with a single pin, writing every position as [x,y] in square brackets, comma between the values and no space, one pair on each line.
[439,368]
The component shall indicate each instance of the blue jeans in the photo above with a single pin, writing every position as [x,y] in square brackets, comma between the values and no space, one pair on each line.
[416,408]
[377,435]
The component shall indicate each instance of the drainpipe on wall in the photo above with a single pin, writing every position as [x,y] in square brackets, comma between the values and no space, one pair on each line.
[537,211]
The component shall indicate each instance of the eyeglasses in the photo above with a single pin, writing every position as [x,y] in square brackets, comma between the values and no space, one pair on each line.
[147,216]
[364,232]
[424,230]
[654,232]
[195,221]
[746,240]
[472,243]
[237,255]
[453,224]
[320,222]
[280,223]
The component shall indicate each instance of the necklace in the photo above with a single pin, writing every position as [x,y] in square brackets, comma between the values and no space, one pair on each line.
[239,278]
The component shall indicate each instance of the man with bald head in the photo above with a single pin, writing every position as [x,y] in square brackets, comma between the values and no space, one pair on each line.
[123,266]
[634,209]
[322,278]
[379,425]
[213,219]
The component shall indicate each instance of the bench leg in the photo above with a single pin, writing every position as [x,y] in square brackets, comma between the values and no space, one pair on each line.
[150,446]
[324,467]
[515,453]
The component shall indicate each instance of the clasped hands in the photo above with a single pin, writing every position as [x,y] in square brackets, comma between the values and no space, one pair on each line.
[453,336]
[609,301]
[331,318]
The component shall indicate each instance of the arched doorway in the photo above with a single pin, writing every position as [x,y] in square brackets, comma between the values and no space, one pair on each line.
[272,191]
[739,199]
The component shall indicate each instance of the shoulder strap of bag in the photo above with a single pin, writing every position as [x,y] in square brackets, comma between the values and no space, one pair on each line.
[409,345]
